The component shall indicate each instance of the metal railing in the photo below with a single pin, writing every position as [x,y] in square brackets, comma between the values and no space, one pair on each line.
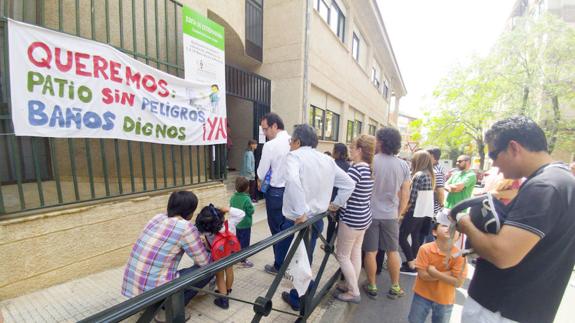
[171,295]
[44,172]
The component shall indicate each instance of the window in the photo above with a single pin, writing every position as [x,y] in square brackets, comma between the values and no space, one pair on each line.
[349,133]
[331,131]
[355,47]
[385,90]
[316,119]
[372,129]
[353,129]
[325,122]
[323,9]
[332,14]
[357,128]
[375,77]
[337,20]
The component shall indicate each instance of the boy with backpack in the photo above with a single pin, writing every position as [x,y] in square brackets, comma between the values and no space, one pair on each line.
[241,200]
[434,288]
[222,242]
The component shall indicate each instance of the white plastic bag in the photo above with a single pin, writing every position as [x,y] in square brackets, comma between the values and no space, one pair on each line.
[299,270]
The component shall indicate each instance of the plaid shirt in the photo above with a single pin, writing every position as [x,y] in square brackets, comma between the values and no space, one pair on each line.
[155,256]
[421,182]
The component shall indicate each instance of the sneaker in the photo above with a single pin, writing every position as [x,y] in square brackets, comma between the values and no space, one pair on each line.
[270,269]
[286,298]
[395,292]
[345,297]
[246,264]
[222,302]
[407,270]
[370,290]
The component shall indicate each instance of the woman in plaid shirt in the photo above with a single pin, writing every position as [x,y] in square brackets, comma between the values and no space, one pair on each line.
[157,252]
[422,186]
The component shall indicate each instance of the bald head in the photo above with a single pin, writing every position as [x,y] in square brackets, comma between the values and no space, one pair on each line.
[463,162]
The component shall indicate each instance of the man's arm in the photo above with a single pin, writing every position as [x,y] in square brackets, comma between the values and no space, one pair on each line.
[505,249]
[439,192]
[294,205]
[345,186]
[193,246]
[265,162]
[404,196]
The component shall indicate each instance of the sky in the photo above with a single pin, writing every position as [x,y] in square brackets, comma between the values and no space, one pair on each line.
[429,38]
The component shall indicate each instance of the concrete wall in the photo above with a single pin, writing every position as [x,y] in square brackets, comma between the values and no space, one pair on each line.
[53,247]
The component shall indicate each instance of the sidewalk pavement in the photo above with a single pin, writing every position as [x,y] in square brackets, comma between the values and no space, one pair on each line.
[80,298]
[83,297]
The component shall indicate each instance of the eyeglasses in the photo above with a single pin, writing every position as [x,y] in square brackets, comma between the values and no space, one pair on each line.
[461,160]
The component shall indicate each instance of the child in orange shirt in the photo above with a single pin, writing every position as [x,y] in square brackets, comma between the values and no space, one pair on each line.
[435,284]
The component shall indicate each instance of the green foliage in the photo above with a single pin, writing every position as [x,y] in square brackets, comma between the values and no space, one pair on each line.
[530,71]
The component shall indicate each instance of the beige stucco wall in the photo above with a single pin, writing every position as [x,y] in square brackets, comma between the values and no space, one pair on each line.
[334,70]
[283,57]
[49,248]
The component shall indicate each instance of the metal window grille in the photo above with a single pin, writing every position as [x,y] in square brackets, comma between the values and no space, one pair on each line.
[37,173]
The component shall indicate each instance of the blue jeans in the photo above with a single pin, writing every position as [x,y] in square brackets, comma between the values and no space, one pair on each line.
[277,223]
[189,293]
[420,308]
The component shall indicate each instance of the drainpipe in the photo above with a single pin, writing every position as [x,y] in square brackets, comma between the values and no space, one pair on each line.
[306,83]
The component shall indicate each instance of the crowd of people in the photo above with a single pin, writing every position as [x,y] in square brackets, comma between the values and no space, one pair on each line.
[382,204]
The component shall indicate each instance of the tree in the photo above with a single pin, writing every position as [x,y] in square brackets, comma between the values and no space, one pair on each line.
[530,71]
[466,101]
[536,76]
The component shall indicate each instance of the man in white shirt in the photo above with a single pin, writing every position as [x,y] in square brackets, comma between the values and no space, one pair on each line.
[272,160]
[310,177]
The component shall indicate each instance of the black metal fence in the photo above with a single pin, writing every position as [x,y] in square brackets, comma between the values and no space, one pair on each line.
[171,295]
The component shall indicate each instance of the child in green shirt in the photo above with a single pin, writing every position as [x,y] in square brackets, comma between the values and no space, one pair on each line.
[241,200]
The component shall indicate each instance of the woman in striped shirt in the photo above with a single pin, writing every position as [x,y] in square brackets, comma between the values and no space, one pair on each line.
[355,218]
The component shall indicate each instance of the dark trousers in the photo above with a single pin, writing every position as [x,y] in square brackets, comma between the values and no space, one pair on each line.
[253,190]
[410,226]
[277,223]
[244,236]
[189,293]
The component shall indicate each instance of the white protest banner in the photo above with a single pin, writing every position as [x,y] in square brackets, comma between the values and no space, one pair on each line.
[204,56]
[68,87]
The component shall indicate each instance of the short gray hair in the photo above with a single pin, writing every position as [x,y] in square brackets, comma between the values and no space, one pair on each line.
[305,134]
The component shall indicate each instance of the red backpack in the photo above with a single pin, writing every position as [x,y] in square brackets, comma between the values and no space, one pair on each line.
[224,244]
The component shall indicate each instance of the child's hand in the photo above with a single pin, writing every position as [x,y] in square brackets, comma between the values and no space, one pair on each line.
[225,209]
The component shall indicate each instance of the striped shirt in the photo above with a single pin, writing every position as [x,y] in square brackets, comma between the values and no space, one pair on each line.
[439,172]
[357,213]
[157,252]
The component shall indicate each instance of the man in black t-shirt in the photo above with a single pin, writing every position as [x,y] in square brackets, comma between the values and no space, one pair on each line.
[523,270]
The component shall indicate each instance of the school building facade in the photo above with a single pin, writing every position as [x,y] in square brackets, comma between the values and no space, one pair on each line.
[72,207]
